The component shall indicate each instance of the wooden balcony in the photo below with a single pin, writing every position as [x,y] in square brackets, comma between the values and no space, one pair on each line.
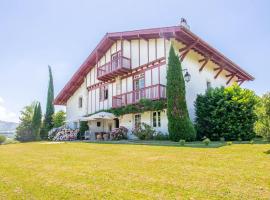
[153,92]
[116,67]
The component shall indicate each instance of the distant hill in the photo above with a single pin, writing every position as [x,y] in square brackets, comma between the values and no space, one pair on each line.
[8,128]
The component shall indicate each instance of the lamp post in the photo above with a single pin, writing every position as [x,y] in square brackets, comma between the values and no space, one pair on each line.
[187,75]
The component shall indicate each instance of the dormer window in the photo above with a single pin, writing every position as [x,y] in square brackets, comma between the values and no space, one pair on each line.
[80,102]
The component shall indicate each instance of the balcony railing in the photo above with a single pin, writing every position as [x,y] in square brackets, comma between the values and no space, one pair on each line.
[152,92]
[116,67]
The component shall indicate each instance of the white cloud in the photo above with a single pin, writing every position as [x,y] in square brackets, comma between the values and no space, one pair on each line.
[5,114]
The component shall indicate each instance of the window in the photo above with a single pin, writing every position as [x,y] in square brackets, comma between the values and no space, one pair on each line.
[137,120]
[208,85]
[98,124]
[103,93]
[80,102]
[156,119]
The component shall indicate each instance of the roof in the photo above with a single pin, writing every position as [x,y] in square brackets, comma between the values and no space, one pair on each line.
[180,33]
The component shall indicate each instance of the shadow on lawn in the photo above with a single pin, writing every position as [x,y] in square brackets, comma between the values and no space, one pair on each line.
[267,152]
[161,143]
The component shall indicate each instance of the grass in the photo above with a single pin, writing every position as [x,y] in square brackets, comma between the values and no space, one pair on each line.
[118,171]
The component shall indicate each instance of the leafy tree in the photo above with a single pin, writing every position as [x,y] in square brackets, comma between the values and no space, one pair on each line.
[262,126]
[179,123]
[24,131]
[48,123]
[59,118]
[36,121]
[226,112]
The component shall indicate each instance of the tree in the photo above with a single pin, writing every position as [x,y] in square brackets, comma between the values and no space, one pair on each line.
[262,125]
[24,130]
[36,121]
[48,123]
[179,123]
[83,127]
[59,118]
[226,112]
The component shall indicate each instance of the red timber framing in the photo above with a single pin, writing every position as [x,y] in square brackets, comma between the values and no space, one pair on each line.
[179,33]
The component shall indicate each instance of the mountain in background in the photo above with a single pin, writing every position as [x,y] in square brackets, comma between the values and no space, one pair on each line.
[8,128]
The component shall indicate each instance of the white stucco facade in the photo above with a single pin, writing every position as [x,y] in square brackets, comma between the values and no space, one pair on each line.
[148,59]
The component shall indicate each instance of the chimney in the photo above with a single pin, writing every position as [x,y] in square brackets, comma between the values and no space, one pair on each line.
[183,23]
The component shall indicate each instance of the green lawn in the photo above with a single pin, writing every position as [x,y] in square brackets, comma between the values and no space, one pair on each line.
[131,171]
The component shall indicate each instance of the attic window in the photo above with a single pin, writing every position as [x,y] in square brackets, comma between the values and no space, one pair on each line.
[80,102]
[208,85]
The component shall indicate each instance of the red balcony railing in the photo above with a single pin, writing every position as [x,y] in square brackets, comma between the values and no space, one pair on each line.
[116,67]
[152,92]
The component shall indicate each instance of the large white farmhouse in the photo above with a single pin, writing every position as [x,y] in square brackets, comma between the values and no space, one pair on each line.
[128,66]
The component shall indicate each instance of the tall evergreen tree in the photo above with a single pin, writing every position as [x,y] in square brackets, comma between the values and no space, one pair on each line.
[48,123]
[179,124]
[36,121]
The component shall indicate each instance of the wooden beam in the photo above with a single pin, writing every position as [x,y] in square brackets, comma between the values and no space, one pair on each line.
[241,82]
[204,64]
[221,69]
[229,75]
[186,49]
[232,76]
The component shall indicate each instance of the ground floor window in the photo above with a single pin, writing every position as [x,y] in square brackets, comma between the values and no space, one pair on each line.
[137,119]
[156,119]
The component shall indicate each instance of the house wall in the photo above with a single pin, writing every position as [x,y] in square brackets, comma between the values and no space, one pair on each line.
[73,112]
[142,52]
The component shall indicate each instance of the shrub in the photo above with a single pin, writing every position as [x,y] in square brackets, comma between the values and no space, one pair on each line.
[222,139]
[119,133]
[229,143]
[262,126]
[251,142]
[144,132]
[226,112]
[182,142]
[11,141]
[206,141]
[161,136]
[2,139]
[83,127]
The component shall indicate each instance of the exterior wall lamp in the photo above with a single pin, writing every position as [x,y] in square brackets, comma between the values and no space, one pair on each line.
[187,75]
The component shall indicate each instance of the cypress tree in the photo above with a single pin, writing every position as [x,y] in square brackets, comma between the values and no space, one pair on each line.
[179,124]
[36,121]
[48,121]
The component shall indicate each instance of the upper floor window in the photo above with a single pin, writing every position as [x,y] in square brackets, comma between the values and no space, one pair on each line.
[80,102]
[208,85]
[139,82]
[156,119]
[103,93]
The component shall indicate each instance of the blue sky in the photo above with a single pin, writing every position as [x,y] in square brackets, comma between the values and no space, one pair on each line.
[62,33]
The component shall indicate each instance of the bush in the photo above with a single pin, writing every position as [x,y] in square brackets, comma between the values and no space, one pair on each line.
[161,136]
[226,112]
[144,132]
[182,142]
[251,142]
[83,127]
[2,139]
[11,141]
[262,126]
[222,139]
[119,133]
[206,141]
[229,143]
